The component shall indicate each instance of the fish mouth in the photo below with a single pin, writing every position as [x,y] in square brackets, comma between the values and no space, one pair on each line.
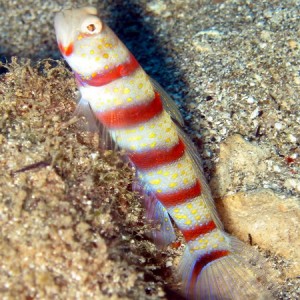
[66,50]
[65,30]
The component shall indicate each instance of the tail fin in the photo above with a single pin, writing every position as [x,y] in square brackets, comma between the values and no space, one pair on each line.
[222,274]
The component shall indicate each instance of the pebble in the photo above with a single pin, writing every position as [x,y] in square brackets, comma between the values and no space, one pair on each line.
[292,138]
[278,126]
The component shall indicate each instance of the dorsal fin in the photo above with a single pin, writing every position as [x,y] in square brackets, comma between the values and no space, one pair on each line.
[169,105]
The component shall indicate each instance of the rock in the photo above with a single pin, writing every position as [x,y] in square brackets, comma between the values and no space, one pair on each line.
[240,164]
[272,222]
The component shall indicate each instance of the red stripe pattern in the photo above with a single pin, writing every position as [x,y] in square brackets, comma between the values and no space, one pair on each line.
[108,76]
[180,196]
[192,234]
[154,158]
[129,116]
[66,51]
[203,261]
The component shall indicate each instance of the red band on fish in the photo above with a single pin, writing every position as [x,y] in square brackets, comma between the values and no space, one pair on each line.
[179,197]
[154,158]
[66,51]
[192,234]
[103,78]
[202,262]
[132,115]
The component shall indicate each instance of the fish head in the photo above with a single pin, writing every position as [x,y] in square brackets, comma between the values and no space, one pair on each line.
[72,25]
[84,40]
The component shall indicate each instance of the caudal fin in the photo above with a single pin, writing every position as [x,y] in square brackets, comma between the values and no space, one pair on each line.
[222,274]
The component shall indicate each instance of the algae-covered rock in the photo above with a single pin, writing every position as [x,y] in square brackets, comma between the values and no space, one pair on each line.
[67,215]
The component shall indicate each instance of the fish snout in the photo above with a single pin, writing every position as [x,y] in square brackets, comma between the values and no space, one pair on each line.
[66,50]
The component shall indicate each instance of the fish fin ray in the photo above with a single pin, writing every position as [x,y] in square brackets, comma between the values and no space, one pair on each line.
[84,109]
[197,164]
[163,232]
[233,276]
[168,103]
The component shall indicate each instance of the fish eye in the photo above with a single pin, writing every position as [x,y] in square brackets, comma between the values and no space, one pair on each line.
[91,25]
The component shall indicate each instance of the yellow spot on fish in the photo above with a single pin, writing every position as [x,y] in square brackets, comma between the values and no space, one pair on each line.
[140,85]
[130,131]
[189,205]
[106,55]
[168,140]
[153,145]
[99,47]
[152,135]
[194,211]
[83,55]
[188,222]
[106,67]
[158,191]
[97,58]
[92,52]
[129,99]
[116,90]
[172,184]
[126,91]
[155,181]
[159,172]
[166,219]
[142,128]
[198,218]
[79,37]
[174,176]
[185,181]
[108,45]
[134,138]
[117,101]
[168,129]
[180,216]
[176,210]
[166,173]
[94,74]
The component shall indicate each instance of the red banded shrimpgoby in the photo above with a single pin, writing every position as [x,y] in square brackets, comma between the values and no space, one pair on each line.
[138,115]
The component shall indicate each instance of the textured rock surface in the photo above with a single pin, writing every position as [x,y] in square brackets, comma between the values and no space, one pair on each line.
[272,223]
